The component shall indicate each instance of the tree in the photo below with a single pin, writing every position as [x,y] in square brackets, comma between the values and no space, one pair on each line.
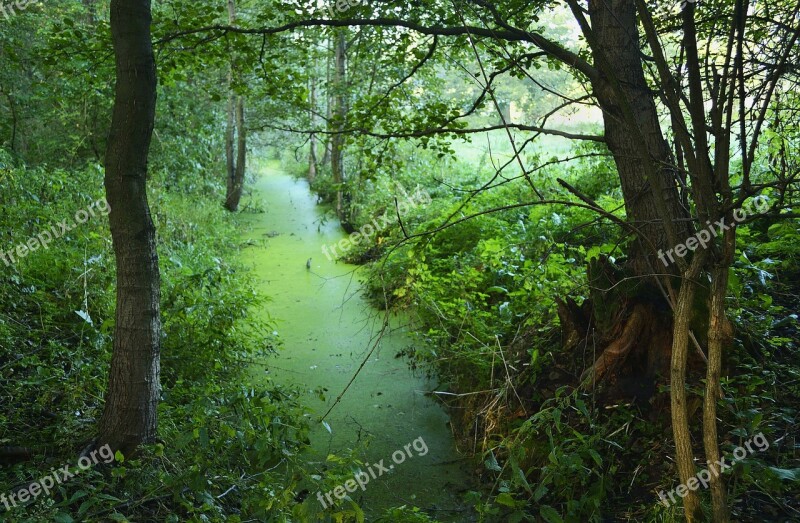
[235,131]
[130,414]
[701,75]
[312,138]
[338,122]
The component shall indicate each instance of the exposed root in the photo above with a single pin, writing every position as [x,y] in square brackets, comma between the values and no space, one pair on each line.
[615,354]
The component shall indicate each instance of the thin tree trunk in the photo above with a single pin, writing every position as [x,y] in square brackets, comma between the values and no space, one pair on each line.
[680,355]
[339,117]
[720,332]
[312,140]
[91,10]
[326,155]
[230,135]
[130,415]
[13,111]
[235,131]
[716,337]
[237,184]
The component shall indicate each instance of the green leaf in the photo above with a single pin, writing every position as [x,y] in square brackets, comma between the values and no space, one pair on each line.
[506,499]
[549,514]
[85,506]
[492,464]
[790,474]
[596,457]
[557,418]
[78,495]
[541,490]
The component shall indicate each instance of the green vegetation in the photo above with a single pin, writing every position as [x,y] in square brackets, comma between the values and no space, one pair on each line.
[555,153]
[482,295]
[219,434]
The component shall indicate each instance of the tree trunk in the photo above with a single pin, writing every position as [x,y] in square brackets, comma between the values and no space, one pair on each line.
[652,201]
[91,11]
[717,329]
[236,167]
[130,415]
[13,110]
[326,155]
[339,117]
[634,137]
[720,334]
[230,135]
[236,185]
[312,139]
[648,179]
[680,418]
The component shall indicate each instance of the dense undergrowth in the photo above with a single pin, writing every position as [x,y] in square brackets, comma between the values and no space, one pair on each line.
[227,449]
[230,447]
[483,291]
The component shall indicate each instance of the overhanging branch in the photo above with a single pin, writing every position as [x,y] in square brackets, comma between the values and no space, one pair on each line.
[510,34]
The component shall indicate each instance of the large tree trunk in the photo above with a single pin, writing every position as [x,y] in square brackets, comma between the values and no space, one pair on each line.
[129,418]
[635,342]
[235,130]
[634,137]
[645,165]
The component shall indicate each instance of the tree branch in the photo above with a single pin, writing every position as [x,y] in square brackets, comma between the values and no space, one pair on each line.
[510,34]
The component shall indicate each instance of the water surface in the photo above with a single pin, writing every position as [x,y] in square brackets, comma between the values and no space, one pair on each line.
[328,330]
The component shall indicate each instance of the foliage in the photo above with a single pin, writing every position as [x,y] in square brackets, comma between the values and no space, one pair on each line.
[232,450]
[481,293]
[476,270]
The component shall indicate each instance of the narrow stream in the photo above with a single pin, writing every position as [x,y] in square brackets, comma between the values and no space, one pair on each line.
[328,330]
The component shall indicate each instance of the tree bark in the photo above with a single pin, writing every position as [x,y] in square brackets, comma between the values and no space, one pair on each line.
[648,178]
[680,417]
[130,415]
[326,155]
[312,140]
[13,110]
[717,329]
[230,134]
[653,205]
[236,166]
[236,184]
[633,134]
[339,117]
[91,11]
